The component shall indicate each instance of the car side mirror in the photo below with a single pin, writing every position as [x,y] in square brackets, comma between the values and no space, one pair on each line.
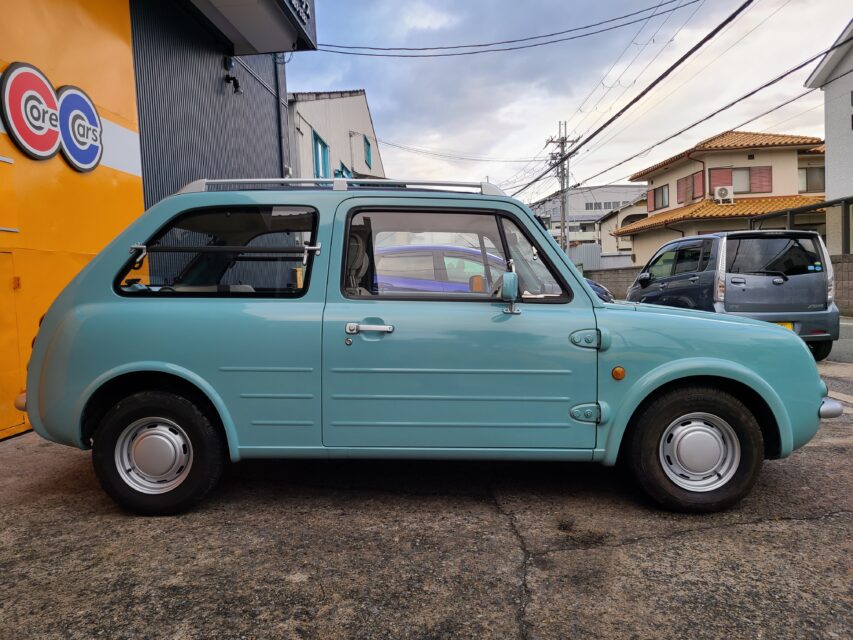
[644,279]
[507,290]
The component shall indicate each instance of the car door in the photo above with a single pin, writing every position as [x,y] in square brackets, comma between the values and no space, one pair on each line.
[660,269]
[451,369]
[682,288]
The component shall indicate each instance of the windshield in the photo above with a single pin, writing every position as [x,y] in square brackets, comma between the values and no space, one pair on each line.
[777,255]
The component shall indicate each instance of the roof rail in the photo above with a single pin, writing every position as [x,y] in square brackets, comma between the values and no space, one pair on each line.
[341,184]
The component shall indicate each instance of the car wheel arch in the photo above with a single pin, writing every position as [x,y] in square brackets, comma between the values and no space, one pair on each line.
[109,389]
[755,393]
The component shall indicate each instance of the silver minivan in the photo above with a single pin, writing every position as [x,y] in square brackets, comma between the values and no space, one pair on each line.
[784,277]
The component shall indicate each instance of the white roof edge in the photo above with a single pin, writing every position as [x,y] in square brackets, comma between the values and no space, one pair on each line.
[828,62]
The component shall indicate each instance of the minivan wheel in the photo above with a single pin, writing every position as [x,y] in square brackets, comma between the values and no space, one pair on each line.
[820,350]
[156,453]
[696,449]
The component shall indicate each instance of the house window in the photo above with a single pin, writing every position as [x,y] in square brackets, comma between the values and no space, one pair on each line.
[811,179]
[321,158]
[587,206]
[740,180]
[743,179]
[368,153]
[658,198]
[343,172]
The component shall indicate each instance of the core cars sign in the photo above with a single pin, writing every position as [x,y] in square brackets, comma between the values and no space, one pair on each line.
[42,121]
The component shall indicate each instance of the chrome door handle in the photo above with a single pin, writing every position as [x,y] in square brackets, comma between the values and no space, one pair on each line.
[664,285]
[692,278]
[353,327]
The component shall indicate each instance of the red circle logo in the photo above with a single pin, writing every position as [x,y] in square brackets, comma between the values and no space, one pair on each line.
[30,110]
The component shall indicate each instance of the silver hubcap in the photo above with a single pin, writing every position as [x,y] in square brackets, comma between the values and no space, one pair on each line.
[699,452]
[153,455]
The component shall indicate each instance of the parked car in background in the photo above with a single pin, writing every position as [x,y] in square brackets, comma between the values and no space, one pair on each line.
[600,290]
[373,321]
[784,277]
[450,268]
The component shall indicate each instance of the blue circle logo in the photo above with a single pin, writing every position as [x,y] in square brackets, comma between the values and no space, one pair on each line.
[80,129]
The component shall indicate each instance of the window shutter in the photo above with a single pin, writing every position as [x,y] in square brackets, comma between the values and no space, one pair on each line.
[720,178]
[698,184]
[650,200]
[681,189]
[760,180]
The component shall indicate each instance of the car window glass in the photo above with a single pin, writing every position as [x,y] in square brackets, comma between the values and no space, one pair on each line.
[461,269]
[661,266]
[535,277]
[234,251]
[391,254]
[772,255]
[687,259]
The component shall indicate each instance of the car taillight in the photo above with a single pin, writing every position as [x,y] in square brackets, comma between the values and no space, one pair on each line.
[720,275]
[830,272]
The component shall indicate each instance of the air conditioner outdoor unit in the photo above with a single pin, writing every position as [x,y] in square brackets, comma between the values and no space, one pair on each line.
[724,194]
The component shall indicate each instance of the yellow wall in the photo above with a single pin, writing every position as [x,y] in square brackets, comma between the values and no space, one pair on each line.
[64,217]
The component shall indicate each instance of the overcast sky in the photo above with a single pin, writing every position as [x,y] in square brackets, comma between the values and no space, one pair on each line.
[505,105]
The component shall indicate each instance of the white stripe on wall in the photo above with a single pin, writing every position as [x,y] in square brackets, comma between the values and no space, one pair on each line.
[121,149]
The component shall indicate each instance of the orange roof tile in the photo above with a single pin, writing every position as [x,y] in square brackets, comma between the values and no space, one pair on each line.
[706,209]
[821,148]
[729,140]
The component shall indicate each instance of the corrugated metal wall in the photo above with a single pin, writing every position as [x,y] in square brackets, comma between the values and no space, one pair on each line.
[191,123]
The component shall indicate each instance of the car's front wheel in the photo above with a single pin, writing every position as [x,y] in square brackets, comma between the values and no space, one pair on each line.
[157,453]
[696,449]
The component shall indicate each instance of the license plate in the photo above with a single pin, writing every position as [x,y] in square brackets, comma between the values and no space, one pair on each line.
[787,325]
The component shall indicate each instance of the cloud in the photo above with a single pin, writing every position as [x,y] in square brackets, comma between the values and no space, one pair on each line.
[505,105]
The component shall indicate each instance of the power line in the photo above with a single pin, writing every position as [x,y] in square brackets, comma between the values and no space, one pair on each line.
[499,42]
[513,48]
[736,101]
[437,153]
[708,37]
[607,73]
[695,75]
[650,62]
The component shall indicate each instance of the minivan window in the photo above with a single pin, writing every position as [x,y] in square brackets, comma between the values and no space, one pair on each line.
[661,265]
[789,256]
[688,258]
[247,251]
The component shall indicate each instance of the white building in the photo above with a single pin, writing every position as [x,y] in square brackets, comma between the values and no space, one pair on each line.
[829,76]
[332,135]
[586,206]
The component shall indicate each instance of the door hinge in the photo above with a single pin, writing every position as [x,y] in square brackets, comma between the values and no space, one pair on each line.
[589,412]
[586,338]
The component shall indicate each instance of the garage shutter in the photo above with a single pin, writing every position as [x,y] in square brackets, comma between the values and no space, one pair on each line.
[760,180]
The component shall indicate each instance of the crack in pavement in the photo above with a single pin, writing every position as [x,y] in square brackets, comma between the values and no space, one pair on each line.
[683,532]
[527,557]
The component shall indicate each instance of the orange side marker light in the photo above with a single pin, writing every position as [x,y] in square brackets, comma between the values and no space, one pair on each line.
[618,373]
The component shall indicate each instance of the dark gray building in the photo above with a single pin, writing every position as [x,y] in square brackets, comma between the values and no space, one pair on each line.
[211,87]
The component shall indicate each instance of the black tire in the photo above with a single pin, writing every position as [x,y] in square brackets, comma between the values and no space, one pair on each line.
[207,447]
[820,350]
[645,458]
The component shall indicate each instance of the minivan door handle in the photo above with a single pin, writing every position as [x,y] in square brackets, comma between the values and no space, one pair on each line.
[738,280]
[353,328]
[692,278]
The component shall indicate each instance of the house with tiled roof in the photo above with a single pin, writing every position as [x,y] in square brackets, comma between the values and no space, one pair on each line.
[764,173]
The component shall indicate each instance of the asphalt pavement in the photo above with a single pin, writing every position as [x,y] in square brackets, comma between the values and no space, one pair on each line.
[842,350]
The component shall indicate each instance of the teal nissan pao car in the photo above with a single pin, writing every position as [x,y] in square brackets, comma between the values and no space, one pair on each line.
[253,319]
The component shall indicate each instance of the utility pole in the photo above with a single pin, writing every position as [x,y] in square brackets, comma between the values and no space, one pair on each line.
[562,142]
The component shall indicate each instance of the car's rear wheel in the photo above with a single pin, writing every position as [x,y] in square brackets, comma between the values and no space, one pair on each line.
[820,350]
[156,453]
[696,449]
